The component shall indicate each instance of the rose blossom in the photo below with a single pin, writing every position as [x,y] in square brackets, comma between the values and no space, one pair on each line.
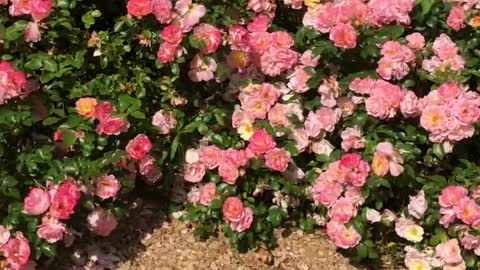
[210,35]
[51,230]
[192,156]
[194,172]
[277,159]
[228,171]
[37,202]
[323,147]
[451,196]
[40,9]
[139,8]
[4,235]
[17,251]
[107,186]
[112,126]
[275,61]
[207,194]
[63,200]
[210,156]
[167,52]
[189,14]
[86,107]
[138,147]
[101,222]
[343,210]
[259,24]
[418,205]
[456,18]
[415,41]
[325,192]
[233,210]
[32,32]
[344,36]
[308,59]
[103,111]
[449,251]
[261,142]
[352,139]
[162,10]
[244,223]
[164,121]
[202,68]
[172,34]
[373,216]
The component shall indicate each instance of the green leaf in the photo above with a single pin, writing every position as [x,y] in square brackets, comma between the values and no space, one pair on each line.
[426,5]
[138,114]
[196,43]
[362,251]
[275,216]
[50,65]
[69,137]
[174,147]
[50,121]
[15,31]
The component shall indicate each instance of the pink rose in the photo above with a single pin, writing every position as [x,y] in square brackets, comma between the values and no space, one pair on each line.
[325,192]
[327,118]
[101,222]
[202,68]
[344,36]
[103,111]
[139,8]
[418,205]
[138,147]
[259,24]
[112,126]
[17,251]
[233,210]
[167,52]
[449,251]
[40,9]
[172,34]
[37,202]
[32,32]
[210,35]
[468,211]
[355,168]
[207,194]
[456,18]
[343,237]
[190,14]
[277,159]
[210,156]
[162,10]
[415,41]
[452,196]
[301,138]
[107,186]
[193,196]
[146,165]
[4,235]
[259,42]
[164,121]
[239,157]
[194,172]
[373,216]
[275,61]
[244,223]
[282,40]
[377,107]
[362,86]
[64,200]
[322,147]
[51,230]
[261,142]
[19,7]
[343,210]
[409,105]
[298,80]
[308,59]
[228,171]
[352,139]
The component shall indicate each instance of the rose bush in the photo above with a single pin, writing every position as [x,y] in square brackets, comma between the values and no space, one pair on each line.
[355,116]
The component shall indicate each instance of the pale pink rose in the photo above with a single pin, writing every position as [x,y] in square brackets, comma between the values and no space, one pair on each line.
[409,105]
[300,136]
[210,35]
[51,230]
[444,47]
[146,165]
[470,242]
[233,210]
[194,172]
[4,235]
[228,171]
[449,251]
[343,210]
[165,121]
[138,147]
[322,147]
[172,34]
[259,42]
[324,192]
[386,157]
[259,6]
[468,211]
[418,205]
[101,222]
[390,69]
[277,159]
[193,196]
[277,116]
[344,36]
[452,196]
[362,86]
[239,157]
[162,11]
[207,193]
[40,9]
[259,24]
[352,139]
[407,229]
[261,142]
[275,61]
[37,202]
[448,216]
[456,18]
[383,12]
[167,52]
[347,238]
[192,156]
[373,216]
[190,14]
[244,223]
[355,195]
[107,186]
[210,156]
[257,107]
[308,59]
[329,91]
[240,118]
[17,251]
[389,215]
[298,80]
[466,111]
[415,41]
[202,68]
[32,32]
[139,8]
[327,118]
[112,126]
[377,107]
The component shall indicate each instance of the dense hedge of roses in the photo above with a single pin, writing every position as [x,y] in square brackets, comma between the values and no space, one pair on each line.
[356,116]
